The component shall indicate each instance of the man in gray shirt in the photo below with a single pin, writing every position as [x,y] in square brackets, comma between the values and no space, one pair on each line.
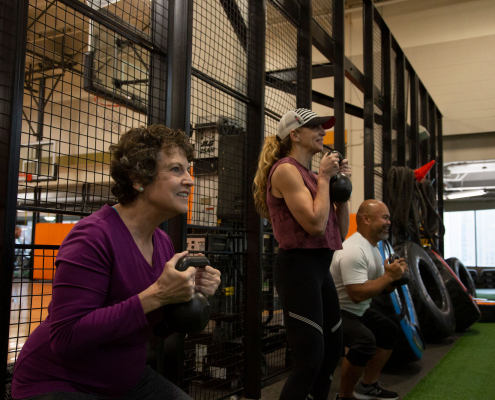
[359,275]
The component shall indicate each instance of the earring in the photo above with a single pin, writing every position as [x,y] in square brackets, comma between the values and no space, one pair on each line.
[141,189]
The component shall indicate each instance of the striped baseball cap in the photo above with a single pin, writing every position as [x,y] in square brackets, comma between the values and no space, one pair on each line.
[302,117]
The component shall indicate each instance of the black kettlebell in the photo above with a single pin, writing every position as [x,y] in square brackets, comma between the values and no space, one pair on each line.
[191,316]
[340,185]
[405,277]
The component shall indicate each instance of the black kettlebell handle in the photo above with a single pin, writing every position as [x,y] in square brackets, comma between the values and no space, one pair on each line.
[393,257]
[341,158]
[191,261]
[405,278]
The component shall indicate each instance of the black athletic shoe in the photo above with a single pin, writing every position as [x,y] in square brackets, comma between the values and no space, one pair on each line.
[373,392]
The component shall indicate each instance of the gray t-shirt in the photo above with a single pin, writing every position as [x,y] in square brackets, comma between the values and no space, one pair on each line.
[358,262]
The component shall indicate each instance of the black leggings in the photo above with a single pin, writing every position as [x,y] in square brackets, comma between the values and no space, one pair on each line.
[312,320]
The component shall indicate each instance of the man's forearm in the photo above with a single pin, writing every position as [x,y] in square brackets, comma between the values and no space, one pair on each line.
[369,289]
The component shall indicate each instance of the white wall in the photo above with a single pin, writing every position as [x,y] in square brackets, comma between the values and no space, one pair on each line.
[451,45]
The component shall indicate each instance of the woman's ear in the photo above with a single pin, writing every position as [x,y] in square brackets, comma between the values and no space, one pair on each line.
[294,135]
[137,186]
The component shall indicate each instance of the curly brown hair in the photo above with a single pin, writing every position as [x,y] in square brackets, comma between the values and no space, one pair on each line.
[272,151]
[135,156]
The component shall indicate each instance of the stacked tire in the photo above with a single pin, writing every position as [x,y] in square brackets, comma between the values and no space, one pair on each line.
[399,307]
[466,310]
[430,296]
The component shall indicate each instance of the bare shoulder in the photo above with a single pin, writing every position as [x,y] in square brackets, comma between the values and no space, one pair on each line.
[286,177]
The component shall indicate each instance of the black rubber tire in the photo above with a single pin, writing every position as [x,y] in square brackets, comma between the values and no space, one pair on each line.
[466,310]
[399,307]
[463,274]
[431,298]
[410,345]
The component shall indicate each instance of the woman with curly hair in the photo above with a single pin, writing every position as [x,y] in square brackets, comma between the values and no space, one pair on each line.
[115,270]
[308,228]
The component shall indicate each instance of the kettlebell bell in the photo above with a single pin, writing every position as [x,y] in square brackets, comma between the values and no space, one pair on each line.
[191,316]
[340,185]
[405,277]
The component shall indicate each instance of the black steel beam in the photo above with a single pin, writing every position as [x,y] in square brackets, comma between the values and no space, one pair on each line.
[179,89]
[177,116]
[414,95]
[236,20]
[290,8]
[432,128]
[304,55]
[157,106]
[401,108]
[329,101]
[322,41]
[338,28]
[424,144]
[354,74]
[387,110]
[254,251]
[439,163]
[13,38]
[318,71]
[369,96]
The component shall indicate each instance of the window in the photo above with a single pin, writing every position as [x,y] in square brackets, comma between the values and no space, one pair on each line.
[485,227]
[469,237]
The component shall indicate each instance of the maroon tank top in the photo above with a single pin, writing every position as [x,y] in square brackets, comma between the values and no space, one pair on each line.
[288,232]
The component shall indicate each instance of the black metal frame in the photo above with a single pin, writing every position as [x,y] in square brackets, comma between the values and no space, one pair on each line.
[396,118]
[13,20]
[254,252]
[170,90]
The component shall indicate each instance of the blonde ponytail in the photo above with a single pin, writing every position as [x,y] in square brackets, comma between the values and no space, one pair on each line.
[272,151]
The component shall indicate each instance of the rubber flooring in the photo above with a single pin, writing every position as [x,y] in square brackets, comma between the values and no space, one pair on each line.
[402,378]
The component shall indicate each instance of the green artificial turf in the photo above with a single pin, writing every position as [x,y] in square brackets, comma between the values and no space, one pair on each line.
[467,372]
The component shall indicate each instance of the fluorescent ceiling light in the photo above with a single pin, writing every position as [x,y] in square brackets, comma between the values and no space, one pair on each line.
[467,193]
[50,218]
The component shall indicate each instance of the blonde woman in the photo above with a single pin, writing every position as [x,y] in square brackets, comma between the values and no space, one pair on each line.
[308,228]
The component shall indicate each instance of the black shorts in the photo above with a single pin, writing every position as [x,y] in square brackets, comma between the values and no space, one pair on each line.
[362,335]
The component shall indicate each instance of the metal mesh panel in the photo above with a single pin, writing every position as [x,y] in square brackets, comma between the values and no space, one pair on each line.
[214,359]
[281,61]
[134,14]
[393,77]
[30,297]
[323,14]
[84,86]
[378,129]
[219,139]
[66,131]
[276,355]
[408,117]
[280,65]
[220,42]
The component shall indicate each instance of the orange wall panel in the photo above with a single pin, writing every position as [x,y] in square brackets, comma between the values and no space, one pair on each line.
[44,260]
[352,225]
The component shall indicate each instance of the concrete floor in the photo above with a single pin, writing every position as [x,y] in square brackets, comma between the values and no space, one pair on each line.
[401,379]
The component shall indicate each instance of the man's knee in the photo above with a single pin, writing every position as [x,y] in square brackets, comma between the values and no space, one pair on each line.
[387,338]
[361,350]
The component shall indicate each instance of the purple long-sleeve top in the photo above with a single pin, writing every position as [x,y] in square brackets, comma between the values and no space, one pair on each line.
[94,338]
